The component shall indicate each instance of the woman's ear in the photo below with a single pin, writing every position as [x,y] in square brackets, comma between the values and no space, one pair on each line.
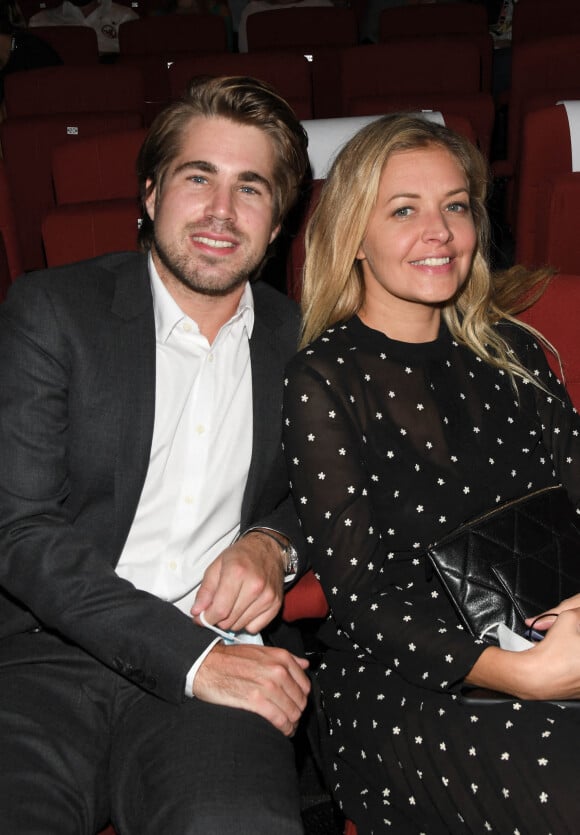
[360,255]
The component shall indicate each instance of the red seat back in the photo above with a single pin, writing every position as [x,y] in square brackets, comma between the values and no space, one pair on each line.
[69,89]
[78,231]
[555,315]
[562,247]
[545,153]
[538,19]
[468,21]
[12,254]
[289,73]
[543,73]
[301,27]
[99,167]
[172,34]
[28,145]
[374,71]
[76,45]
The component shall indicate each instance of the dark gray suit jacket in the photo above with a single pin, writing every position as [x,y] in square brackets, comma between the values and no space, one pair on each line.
[77,396]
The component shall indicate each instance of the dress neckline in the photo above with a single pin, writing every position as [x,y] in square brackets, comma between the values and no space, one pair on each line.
[403,351]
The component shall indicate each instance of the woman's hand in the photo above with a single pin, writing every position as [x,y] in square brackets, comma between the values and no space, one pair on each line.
[543,621]
[549,670]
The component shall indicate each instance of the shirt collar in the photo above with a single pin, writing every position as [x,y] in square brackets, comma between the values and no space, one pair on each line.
[168,314]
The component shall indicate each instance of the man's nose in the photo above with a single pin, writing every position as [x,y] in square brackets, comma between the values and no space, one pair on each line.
[221,204]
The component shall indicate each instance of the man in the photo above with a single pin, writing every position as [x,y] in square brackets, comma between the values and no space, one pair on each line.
[104,16]
[143,493]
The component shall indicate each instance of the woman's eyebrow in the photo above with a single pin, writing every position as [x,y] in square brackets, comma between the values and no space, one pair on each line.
[409,195]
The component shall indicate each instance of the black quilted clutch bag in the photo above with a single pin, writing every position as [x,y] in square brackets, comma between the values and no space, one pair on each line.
[513,562]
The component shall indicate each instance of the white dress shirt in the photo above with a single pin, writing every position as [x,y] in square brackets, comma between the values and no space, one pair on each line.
[190,506]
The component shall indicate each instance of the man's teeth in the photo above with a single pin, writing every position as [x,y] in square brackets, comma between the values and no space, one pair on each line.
[432,262]
[213,242]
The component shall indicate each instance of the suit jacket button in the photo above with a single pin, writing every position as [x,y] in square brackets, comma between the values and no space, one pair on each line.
[150,682]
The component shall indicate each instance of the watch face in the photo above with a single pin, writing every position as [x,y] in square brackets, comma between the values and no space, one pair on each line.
[292,560]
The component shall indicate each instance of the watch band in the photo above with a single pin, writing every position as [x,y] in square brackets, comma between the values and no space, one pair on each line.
[288,550]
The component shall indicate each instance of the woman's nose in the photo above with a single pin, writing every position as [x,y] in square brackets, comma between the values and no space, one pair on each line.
[437,228]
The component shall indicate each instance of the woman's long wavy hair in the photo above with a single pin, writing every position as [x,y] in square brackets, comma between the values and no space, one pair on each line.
[333,287]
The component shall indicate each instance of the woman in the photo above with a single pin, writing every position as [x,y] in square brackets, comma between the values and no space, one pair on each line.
[417,405]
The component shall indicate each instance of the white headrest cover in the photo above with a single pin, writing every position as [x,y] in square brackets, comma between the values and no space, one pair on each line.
[573,113]
[327,136]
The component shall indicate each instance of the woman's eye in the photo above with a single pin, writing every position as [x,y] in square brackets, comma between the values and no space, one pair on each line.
[404,211]
[458,207]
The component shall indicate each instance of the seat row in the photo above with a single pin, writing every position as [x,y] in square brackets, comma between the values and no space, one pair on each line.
[73,193]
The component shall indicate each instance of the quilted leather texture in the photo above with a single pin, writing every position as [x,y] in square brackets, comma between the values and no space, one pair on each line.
[513,562]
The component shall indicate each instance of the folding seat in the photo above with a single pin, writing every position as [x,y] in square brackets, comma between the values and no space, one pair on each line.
[75,45]
[8,232]
[289,73]
[99,167]
[536,19]
[465,20]
[371,81]
[562,248]
[302,28]
[97,196]
[78,231]
[27,145]
[545,154]
[555,315]
[543,73]
[69,89]
[152,43]
[318,32]
[172,34]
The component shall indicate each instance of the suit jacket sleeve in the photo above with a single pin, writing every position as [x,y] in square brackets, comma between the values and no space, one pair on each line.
[72,470]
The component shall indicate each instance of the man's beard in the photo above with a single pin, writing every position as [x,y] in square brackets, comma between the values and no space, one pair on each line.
[182,267]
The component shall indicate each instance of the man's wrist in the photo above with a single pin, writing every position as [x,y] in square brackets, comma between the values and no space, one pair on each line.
[287,550]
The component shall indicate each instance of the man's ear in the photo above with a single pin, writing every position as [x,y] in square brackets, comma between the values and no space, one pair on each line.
[150,199]
[275,232]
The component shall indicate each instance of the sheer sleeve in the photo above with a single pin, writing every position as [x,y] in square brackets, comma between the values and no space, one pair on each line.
[398,623]
[558,419]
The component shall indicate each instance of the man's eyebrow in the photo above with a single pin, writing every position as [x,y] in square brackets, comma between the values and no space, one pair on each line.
[210,168]
[198,165]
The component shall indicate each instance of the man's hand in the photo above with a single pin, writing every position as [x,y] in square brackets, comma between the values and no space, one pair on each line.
[243,588]
[265,680]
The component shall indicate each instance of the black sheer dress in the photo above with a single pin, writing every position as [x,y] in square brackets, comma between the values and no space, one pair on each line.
[391,445]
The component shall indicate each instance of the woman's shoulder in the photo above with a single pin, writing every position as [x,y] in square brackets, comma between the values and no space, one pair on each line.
[324,353]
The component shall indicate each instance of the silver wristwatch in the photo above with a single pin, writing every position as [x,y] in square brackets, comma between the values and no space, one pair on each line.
[288,550]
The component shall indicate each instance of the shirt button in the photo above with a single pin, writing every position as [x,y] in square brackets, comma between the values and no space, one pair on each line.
[172,565]
[210,358]
[187,327]
[200,428]
[188,500]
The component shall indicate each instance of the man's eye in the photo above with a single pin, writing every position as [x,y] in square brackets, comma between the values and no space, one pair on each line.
[197,178]
[249,190]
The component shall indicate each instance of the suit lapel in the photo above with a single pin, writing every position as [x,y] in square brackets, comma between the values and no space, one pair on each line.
[134,388]
[267,371]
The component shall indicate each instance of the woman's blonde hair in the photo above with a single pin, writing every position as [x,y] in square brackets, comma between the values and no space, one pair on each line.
[333,288]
